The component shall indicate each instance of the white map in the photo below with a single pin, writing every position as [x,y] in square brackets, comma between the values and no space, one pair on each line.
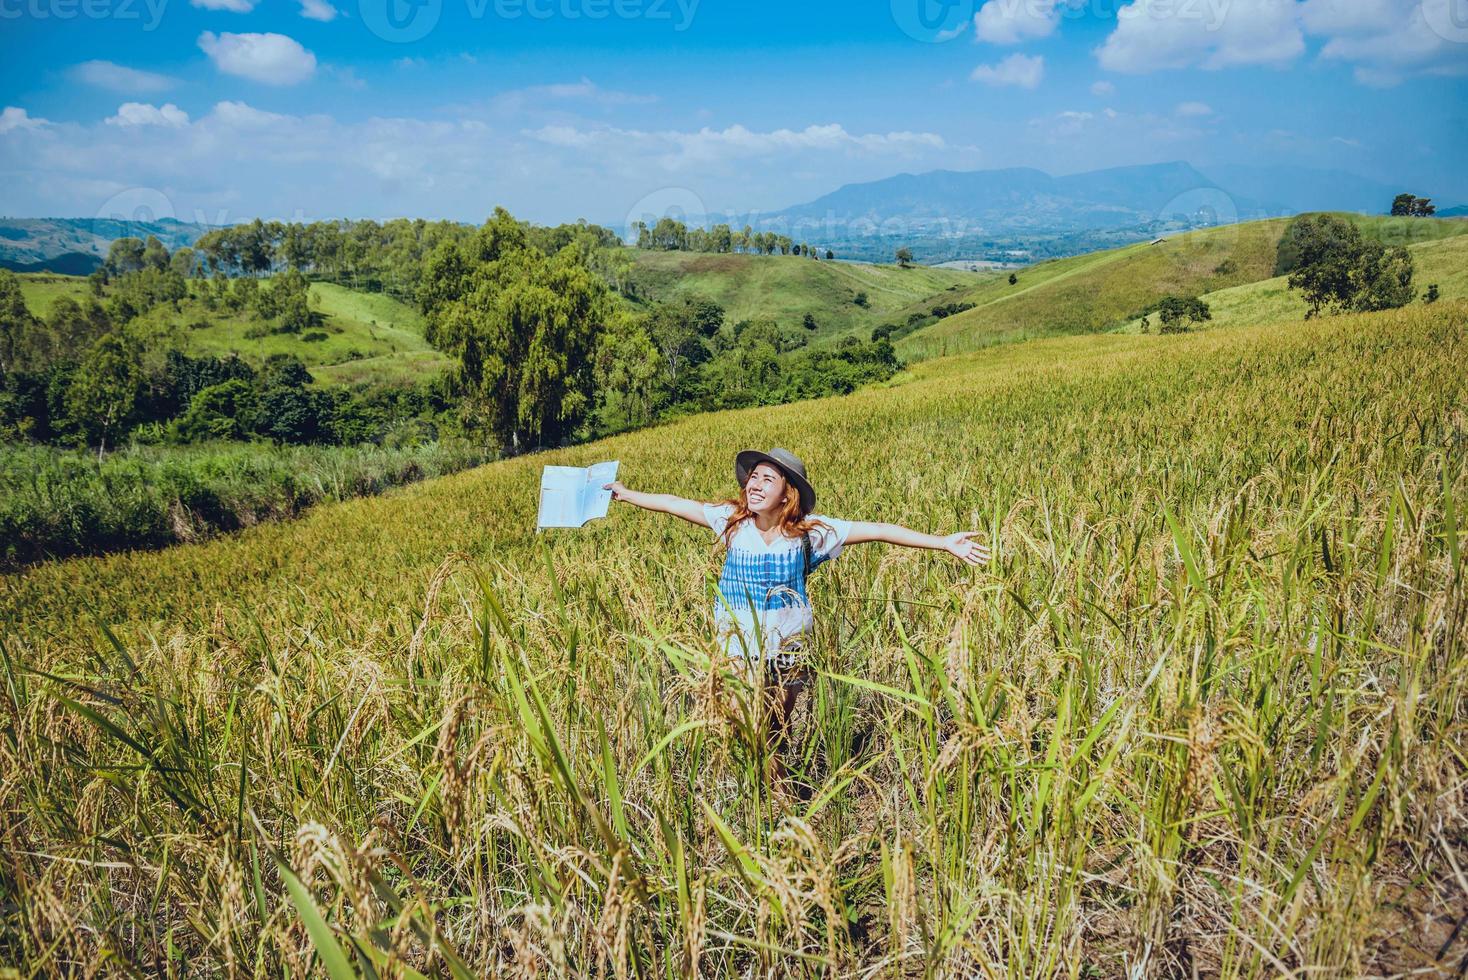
[572,495]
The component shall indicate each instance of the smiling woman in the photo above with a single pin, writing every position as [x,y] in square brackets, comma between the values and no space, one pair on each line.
[773,541]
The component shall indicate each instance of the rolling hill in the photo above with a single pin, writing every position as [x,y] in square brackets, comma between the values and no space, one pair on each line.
[66,244]
[368,336]
[1104,290]
[787,287]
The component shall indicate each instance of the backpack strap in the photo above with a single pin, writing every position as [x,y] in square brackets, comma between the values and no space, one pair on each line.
[805,546]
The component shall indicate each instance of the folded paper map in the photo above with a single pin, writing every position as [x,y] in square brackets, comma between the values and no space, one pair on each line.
[572,495]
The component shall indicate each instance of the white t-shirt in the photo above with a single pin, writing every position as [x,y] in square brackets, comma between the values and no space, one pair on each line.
[762,604]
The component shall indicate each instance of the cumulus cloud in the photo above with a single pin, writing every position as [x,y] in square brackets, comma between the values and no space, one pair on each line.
[1020,70]
[143,114]
[120,78]
[14,118]
[273,59]
[1196,110]
[1013,21]
[318,10]
[1153,34]
[232,6]
[1383,40]
[1103,88]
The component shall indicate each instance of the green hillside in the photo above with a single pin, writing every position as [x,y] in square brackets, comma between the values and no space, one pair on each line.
[368,336]
[787,287]
[1100,291]
[1440,261]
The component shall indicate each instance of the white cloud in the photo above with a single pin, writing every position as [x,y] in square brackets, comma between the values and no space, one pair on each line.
[584,91]
[1154,34]
[143,114]
[1018,69]
[13,118]
[238,115]
[1196,110]
[273,59]
[232,6]
[1383,40]
[678,149]
[1013,21]
[1103,88]
[318,10]
[120,78]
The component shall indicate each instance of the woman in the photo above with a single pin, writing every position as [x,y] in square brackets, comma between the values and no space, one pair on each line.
[772,541]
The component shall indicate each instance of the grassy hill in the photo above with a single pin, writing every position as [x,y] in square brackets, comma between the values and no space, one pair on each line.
[1198,710]
[788,287]
[1102,290]
[369,336]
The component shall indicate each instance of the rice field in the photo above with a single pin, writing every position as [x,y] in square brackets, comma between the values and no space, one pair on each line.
[1203,715]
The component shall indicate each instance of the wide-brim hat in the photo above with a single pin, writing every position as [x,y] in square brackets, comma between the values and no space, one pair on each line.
[783,460]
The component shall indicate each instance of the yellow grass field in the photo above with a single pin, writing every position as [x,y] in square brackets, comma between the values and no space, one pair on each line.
[1204,714]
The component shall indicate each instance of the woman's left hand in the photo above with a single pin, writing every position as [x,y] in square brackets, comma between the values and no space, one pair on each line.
[961,547]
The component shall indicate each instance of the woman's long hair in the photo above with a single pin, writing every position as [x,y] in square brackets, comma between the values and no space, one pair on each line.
[792,519]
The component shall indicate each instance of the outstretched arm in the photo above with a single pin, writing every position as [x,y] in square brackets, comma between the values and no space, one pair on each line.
[958,545]
[665,503]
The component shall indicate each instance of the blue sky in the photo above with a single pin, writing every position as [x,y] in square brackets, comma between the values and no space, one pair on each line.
[223,110]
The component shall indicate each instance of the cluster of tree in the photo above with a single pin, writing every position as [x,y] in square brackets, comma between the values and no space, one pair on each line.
[917,319]
[1340,270]
[1412,206]
[377,256]
[672,235]
[83,376]
[544,356]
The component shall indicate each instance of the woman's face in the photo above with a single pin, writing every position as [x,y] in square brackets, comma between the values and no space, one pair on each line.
[764,490]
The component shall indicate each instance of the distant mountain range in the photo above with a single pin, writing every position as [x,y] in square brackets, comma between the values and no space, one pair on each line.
[998,202]
[1015,214]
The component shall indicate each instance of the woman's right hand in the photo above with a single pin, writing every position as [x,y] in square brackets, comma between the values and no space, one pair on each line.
[619,492]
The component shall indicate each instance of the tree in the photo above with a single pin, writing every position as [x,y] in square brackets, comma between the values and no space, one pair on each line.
[629,372]
[523,327]
[860,299]
[809,322]
[184,261]
[124,255]
[104,390]
[1423,208]
[155,256]
[1337,269]
[830,255]
[16,323]
[1402,204]
[1177,312]
[1431,295]
[222,411]
[1013,279]
[904,256]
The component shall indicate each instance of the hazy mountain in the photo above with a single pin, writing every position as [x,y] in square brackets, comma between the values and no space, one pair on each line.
[42,243]
[1005,201]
